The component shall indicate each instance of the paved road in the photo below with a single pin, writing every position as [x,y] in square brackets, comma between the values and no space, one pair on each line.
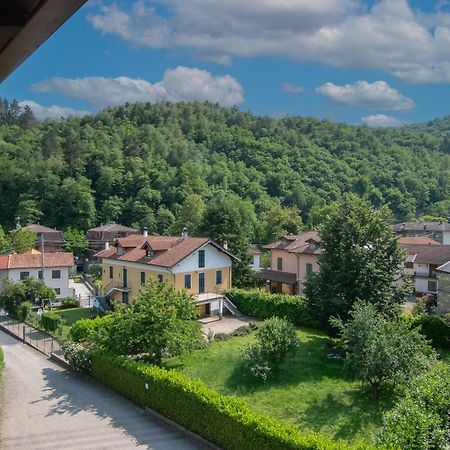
[46,407]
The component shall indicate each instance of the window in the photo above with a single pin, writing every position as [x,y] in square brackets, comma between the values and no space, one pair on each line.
[201,283]
[160,278]
[142,277]
[309,269]
[58,291]
[125,297]
[24,275]
[111,272]
[218,277]
[40,275]
[432,286]
[187,281]
[56,274]
[201,258]
[279,263]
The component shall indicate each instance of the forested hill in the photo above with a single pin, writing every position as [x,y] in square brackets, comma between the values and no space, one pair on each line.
[168,165]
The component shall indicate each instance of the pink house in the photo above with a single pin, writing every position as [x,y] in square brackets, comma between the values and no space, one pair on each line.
[293,258]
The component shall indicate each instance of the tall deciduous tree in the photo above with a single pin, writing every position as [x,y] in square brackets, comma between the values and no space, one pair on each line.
[380,350]
[76,241]
[22,240]
[361,260]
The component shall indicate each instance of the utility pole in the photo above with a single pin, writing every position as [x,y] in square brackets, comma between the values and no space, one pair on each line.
[42,258]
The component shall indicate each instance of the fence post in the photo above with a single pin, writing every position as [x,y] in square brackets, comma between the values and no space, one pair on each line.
[23,334]
[51,348]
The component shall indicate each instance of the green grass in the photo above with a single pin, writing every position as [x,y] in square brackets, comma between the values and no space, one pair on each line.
[70,316]
[311,390]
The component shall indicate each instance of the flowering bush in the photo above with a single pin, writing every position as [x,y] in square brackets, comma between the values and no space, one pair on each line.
[77,356]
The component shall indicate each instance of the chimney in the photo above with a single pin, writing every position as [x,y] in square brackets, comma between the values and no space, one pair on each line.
[184,232]
[145,231]
[225,245]
[107,245]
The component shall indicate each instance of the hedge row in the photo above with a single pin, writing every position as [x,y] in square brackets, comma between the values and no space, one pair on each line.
[263,305]
[434,328]
[223,420]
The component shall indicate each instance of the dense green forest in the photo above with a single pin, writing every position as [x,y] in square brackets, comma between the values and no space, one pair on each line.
[197,164]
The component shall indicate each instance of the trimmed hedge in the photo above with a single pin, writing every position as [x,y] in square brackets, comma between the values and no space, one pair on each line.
[224,420]
[50,321]
[264,305]
[434,328]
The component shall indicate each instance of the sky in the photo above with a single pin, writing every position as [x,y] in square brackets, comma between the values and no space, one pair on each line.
[380,63]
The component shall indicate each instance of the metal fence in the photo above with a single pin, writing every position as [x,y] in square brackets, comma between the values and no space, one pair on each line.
[26,333]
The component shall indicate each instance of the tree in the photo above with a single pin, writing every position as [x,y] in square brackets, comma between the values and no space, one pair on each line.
[361,260]
[380,350]
[29,211]
[160,321]
[276,339]
[279,221]
[13,294]
[76,241]
[22,240]
[5,244]
[230,219]
[421,419]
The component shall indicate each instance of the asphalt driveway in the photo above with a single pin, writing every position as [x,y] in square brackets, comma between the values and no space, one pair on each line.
[47,407]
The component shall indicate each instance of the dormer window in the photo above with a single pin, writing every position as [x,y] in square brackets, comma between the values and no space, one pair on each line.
[313,244]
[149,253]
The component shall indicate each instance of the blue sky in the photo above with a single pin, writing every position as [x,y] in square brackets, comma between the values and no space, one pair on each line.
[376,62]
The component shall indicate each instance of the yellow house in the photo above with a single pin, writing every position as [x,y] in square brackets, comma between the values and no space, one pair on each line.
[293,259]
[198,265]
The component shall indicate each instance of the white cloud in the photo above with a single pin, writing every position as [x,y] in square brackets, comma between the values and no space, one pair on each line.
[52,112]
[378,96]
[292,88]
[410,44]
[180,84]
[380,120]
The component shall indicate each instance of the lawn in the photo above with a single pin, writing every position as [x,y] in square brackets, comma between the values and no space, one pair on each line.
[311,390]
[71,315]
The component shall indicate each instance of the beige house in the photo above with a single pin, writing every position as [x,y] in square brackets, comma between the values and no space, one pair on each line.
[293,258]
[97,237]
[198,265]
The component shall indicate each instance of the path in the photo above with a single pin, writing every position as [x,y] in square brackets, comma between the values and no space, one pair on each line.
[47,407]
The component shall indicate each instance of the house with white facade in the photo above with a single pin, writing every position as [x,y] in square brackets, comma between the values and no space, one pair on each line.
[421,264]
[51,268]
[255,258]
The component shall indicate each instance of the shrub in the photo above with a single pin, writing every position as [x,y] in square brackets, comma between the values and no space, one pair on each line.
[421,420]
[263,305]
[77,356]
[50,321]
[24,311]
[84,329]
[69,302]
[435,328]
[276,339]
[226,421]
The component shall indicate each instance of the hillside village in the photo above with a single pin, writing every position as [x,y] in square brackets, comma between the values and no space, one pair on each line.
[179,272]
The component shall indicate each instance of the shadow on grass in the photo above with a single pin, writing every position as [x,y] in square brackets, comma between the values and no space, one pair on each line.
[309,363]
[351,412]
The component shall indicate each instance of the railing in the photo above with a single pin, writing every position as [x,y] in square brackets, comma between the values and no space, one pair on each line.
[115,286]
[28,334]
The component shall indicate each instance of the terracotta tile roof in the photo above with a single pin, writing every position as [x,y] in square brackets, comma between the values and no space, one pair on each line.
[33,260]
[168,250]
[429,254]
[254,251]
[4,259]
[419,240]
[38,228]
[421,226]
[297,243]
[115,227]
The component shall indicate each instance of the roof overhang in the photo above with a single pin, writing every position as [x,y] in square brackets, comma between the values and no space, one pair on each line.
[26,24]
